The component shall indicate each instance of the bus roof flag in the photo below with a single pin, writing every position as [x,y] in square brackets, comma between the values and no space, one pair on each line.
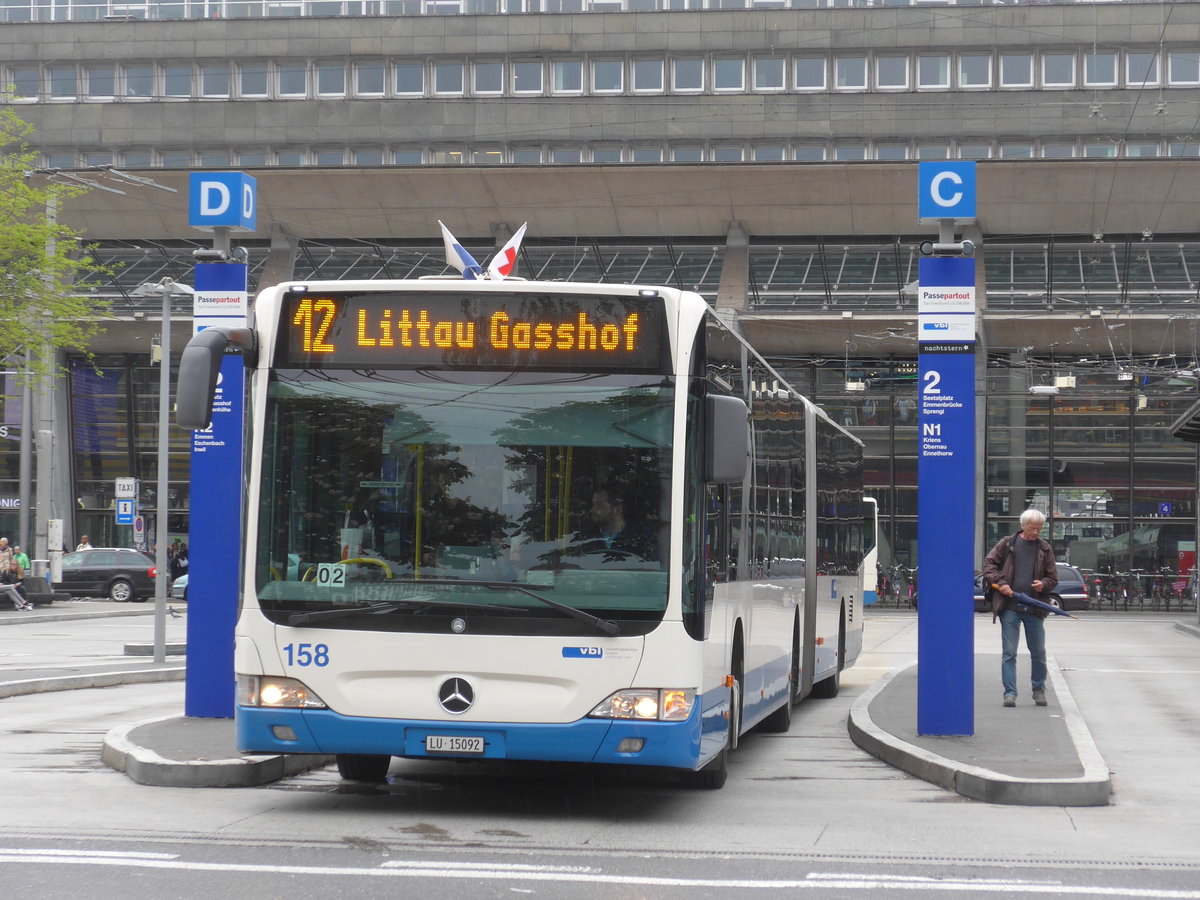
[505,260]
[457,256]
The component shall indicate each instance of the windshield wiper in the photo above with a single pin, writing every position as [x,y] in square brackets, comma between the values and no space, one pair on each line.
[320,615]
[606,626]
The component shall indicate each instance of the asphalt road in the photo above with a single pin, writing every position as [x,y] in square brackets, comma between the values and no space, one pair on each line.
[805,813]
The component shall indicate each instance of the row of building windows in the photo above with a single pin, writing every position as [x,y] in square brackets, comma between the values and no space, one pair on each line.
[728,152]
[96,10]
[297,79]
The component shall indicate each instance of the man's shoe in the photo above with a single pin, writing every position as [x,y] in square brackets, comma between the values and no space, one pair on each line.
[1039,697]
[1010,700]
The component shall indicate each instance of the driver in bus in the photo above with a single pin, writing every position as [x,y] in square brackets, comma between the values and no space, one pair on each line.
[611,533]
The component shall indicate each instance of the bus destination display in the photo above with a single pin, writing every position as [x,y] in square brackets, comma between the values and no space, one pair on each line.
[386,330]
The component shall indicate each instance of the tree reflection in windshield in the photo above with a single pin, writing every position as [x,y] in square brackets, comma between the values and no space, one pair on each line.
[461,475]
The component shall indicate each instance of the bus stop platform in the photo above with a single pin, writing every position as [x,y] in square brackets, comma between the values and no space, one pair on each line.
[182,751]
[1026,755]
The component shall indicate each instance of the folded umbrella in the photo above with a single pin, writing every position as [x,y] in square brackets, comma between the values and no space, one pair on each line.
[1040,604]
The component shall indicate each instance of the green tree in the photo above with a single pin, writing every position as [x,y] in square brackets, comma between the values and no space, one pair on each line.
[40,259]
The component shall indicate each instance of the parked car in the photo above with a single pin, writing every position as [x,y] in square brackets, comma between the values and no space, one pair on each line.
[179,588]
[1070,592]
[114,572]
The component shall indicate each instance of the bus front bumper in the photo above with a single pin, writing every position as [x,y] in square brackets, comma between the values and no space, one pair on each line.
[645,743]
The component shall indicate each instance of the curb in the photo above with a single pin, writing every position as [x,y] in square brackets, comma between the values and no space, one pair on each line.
[147,767]
[1188,628]
[1093,788]
[90,680]
[56,616]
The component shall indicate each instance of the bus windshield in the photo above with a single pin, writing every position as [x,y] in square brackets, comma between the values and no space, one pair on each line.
[413,499]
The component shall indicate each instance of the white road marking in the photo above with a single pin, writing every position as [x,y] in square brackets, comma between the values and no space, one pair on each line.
[118,854]
[470,871]
[514,867]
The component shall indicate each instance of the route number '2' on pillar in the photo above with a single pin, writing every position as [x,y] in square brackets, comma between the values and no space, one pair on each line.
[946,496]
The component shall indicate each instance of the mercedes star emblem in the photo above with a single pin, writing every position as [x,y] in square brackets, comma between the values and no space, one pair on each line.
[457,625]
[456,695]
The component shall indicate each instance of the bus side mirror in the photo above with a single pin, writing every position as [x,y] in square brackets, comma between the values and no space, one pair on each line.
[199,367]
[727,440]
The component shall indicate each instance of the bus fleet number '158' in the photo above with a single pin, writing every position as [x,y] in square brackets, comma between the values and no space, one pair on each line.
[307,654]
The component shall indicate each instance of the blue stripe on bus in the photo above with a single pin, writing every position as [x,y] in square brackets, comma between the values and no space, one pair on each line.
[685,745]
[674,744]
[869,597]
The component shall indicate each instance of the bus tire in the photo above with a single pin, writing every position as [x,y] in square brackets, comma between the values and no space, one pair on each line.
[363,767]
[780,721]
[827,688]
[713,776]
[715,773]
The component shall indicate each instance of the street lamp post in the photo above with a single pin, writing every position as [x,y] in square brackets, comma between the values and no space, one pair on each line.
[164,466]
[168,288]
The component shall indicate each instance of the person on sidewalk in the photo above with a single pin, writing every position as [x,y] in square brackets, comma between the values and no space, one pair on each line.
[1022,563]
[84,543]
[10,592]
[11,576]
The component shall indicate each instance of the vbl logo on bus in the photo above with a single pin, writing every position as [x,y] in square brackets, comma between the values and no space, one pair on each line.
[582,652]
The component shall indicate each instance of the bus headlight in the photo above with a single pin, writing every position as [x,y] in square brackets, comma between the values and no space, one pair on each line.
[655,704]
[276,693]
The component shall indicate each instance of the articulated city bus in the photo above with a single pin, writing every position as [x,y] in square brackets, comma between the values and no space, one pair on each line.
[529,521]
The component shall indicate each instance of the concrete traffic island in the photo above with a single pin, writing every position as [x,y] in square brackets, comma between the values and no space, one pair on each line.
[1027,756]
[179,751]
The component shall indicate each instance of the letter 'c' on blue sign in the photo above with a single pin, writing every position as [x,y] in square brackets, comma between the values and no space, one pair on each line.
[222,200]
[946,190]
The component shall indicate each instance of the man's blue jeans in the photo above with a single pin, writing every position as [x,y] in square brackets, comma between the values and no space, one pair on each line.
[1035,640]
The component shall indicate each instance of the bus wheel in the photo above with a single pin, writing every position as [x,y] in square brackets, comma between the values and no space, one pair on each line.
[780,721]
[828,688]
[714,775]
[361,767]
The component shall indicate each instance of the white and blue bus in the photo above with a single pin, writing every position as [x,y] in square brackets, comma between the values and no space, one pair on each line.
[529,521]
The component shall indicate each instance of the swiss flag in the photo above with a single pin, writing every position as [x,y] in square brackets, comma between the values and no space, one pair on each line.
[505,260]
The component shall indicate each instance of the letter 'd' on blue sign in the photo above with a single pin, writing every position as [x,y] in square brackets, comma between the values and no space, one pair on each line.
[946,190]
[222,200]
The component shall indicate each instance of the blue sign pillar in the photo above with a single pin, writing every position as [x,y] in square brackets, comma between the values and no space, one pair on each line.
[946,461]
[215,530]
[219,201]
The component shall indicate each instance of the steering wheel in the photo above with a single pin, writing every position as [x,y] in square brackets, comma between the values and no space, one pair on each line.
[311,574]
